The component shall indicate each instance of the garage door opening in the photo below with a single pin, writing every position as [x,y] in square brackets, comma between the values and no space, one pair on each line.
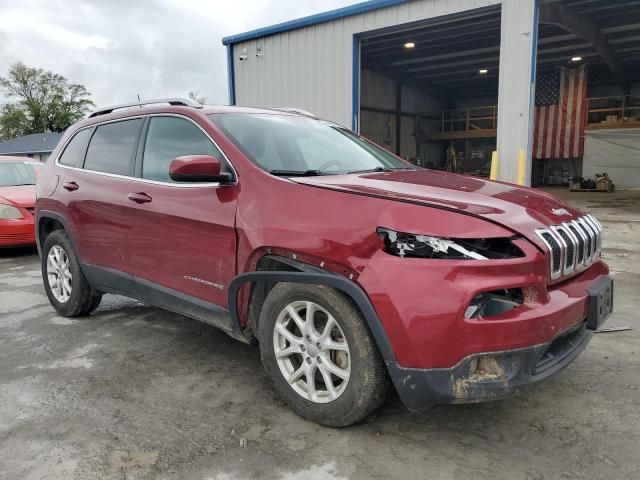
[429,90]
[587,102]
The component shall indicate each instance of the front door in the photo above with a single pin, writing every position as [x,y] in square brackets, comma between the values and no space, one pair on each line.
[183,234]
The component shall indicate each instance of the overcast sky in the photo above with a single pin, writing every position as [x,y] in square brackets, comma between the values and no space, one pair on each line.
[121,48]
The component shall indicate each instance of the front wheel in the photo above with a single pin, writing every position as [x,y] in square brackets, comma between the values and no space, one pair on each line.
[322,359]
[66,286]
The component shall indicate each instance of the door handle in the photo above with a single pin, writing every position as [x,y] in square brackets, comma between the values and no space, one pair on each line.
[71,186]
[139,197]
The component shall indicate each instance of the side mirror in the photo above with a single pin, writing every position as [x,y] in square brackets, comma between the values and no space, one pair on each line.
[197,168]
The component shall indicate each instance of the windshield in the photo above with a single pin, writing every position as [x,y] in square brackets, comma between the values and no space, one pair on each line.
[18,173]
[291,145]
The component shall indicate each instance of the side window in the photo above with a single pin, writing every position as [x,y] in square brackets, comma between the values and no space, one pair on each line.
[112,147]
[169,138]
[74,148]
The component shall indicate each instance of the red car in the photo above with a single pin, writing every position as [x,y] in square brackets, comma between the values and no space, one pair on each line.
[17,200]
[354,271]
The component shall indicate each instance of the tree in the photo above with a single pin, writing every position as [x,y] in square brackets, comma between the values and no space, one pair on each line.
[196,96]
[40,101]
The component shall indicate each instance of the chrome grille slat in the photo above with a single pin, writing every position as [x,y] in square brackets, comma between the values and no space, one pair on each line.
[572,246]
[591,240]
[596,228]
[582,240]
[589,235]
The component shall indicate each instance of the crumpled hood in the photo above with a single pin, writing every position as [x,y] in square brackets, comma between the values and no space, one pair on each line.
[518,208]
[23,195]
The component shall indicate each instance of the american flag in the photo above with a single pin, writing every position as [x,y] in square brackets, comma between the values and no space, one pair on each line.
[559,113]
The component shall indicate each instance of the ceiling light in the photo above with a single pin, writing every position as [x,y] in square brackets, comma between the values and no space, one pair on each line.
[409,45]
[576,59]
[483,71]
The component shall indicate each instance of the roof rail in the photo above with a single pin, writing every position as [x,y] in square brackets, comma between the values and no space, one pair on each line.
[297,111]
[183,102]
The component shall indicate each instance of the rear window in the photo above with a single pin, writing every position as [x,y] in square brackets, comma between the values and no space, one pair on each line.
[112,147]
[74,148]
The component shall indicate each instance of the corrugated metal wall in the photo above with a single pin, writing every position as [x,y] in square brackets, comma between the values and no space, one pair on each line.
[311,68]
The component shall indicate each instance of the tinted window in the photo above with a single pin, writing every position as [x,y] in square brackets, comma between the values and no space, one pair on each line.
[112,147]
[74,148]
[294,143]
[169,138]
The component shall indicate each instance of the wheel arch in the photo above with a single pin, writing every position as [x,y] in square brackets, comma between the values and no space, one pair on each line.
[284,269]
[47,222]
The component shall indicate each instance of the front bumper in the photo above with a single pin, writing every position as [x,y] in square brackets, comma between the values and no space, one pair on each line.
[14,233]
[421,305]
[488,376]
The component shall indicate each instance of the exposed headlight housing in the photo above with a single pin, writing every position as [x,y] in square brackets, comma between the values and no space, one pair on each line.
[426,246]
[9,212]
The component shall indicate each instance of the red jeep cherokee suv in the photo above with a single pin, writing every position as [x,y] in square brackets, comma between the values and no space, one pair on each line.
[354,270]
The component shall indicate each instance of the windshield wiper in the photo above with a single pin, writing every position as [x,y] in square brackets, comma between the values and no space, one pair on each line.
[383,169]
[295,173]
[372,170]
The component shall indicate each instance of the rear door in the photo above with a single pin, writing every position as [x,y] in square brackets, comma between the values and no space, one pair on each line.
[95,193]
[183,234]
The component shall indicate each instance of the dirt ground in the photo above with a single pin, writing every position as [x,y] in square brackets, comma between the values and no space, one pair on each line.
[134,392]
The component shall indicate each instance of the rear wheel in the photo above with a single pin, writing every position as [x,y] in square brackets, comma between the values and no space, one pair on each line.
[66,286]
[322,359]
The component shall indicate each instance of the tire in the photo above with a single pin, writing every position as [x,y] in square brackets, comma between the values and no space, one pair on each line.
[346,401]
[76,297]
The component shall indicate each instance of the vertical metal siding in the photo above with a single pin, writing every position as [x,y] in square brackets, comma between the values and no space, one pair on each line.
[311,68]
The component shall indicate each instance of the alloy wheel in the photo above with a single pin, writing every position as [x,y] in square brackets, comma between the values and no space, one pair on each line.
[312,351]
[59,274]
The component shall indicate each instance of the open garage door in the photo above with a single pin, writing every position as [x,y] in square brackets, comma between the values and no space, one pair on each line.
[588,74]
[429,90]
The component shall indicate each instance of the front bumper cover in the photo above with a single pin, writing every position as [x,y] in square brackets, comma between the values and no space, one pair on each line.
[14,233]
[488,376]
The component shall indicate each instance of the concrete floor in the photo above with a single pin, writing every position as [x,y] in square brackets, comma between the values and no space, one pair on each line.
[134,392]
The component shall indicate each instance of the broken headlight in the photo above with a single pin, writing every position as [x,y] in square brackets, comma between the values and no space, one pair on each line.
[426,246]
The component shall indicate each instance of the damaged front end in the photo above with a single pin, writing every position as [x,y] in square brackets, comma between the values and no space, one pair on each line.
[488,376]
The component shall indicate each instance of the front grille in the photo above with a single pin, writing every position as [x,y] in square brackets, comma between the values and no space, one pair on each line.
[573,245]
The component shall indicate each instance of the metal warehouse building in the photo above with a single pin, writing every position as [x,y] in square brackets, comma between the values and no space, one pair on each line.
[444,83]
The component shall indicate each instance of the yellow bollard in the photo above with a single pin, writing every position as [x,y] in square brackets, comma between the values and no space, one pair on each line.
[494,166]
[522,167]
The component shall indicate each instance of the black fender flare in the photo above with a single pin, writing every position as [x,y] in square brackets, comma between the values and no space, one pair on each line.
[42,214]
[348,287]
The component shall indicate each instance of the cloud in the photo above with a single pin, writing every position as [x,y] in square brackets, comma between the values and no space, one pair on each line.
[121,48]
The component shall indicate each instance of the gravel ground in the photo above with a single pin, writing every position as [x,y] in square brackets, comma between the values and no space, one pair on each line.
[135,392]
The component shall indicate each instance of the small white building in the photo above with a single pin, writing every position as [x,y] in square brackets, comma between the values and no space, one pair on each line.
[418,76]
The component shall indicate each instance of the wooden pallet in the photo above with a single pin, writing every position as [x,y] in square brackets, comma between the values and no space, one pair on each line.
[590,190]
